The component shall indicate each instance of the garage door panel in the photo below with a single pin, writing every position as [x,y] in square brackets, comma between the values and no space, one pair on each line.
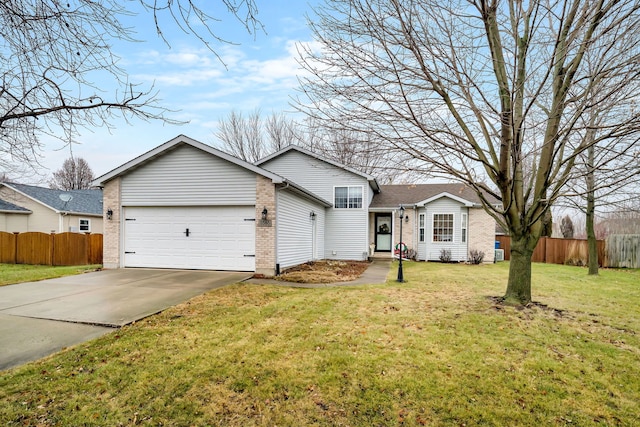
[219,237]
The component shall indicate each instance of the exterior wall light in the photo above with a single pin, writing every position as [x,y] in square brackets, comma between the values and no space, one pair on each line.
[109,214]
[312,215]
[264,213]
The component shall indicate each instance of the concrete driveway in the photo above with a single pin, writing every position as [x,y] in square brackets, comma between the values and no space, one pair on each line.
[40,318]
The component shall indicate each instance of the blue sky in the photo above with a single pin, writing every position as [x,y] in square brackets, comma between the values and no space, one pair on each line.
[261,73]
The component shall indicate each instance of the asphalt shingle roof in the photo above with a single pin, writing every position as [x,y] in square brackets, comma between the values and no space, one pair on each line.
[392,196]
[83,201]
[6,206]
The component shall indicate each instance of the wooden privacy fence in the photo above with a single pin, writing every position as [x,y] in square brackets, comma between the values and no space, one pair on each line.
[559,251]
[50,249]
[623,250]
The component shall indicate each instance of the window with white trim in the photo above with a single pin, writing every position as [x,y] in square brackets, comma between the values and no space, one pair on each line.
[347,197]
[442,227]
[463,224]
[84,224]
[421,227]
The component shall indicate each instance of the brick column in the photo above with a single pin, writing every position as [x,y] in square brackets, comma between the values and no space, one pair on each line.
[111,241]
[482,233]
[265,230]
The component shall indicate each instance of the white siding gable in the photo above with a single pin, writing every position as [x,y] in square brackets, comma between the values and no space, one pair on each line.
[187,176]
[313,174]
[346,230]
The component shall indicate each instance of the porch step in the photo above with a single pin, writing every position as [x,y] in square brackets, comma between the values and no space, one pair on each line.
[381,255]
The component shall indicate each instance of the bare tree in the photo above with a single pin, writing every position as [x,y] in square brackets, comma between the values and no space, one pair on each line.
[488,92]
[75,174]
[253,137]
[52,54]
[281,131]
[360,152]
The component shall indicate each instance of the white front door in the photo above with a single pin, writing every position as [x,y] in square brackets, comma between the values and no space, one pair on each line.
[210,238]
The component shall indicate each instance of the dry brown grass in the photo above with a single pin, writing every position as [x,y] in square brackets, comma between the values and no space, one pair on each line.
[437,350]
[325,272]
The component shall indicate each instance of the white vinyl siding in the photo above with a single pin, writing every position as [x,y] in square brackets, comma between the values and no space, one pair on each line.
[14,223]
[187,176]
[430,250]
[346,230]
[315,175]
[297,234]
[346,235]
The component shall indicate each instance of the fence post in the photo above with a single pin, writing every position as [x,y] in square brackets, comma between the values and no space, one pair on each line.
[15,242]
[52,248]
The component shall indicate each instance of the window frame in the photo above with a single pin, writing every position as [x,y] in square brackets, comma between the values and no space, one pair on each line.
[451,223]
[422,222]
[349,199]
[88,230]
[464,227]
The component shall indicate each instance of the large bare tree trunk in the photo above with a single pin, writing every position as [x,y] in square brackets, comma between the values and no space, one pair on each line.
[519,283]
[591,211]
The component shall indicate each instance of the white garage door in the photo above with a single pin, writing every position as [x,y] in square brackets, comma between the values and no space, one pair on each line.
[210,238]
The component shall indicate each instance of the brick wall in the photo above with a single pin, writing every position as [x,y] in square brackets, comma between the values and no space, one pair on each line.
[482,231]
[407,228]
[265,230]
[111,242]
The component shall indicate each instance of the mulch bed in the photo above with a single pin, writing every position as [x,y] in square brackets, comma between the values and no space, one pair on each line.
[324,272]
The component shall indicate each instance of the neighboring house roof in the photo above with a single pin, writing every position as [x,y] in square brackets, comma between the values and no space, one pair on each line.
[392,196]
[372,181]
[87,202]
[6,207]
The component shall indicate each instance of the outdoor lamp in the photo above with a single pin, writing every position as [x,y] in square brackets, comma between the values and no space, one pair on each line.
[312,215]
[109,214]
[400,246]
[264,213]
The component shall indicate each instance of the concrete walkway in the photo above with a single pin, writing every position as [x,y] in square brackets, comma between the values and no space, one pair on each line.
[376,274]
[40,318]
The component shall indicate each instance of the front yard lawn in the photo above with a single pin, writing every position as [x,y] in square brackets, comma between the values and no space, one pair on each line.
[18,273]
[436,350]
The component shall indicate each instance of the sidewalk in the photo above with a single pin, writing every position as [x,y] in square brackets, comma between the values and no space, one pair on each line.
[376,274]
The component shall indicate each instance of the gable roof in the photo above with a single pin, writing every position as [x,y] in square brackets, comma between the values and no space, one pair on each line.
[175,143]
[373,183]
[6,207]
[82,201]
[392,196]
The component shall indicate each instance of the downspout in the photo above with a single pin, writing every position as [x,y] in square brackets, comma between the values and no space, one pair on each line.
[275,238]
[61,215]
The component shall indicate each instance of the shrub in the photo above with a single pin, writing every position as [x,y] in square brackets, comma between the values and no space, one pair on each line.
[445,255]
[476,256]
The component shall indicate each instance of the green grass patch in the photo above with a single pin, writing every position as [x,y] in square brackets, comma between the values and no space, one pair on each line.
[436,350]
[18,273]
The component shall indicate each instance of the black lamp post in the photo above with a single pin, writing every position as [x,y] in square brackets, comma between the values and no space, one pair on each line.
[400,274]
